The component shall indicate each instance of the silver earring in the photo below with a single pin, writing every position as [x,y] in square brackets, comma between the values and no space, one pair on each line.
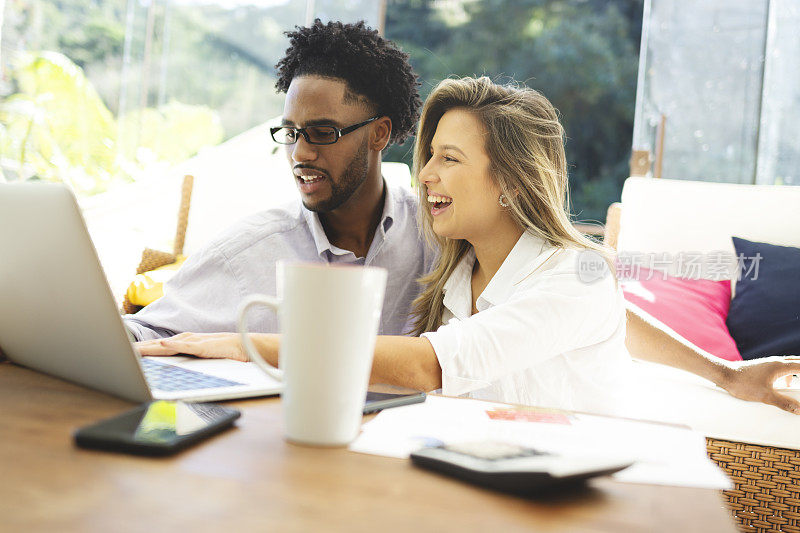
[503,201]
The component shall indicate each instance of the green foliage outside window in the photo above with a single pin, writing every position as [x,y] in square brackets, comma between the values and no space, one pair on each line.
[582,54]
[55,127]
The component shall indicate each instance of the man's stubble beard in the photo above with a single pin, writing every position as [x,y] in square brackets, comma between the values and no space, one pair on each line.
[352,178]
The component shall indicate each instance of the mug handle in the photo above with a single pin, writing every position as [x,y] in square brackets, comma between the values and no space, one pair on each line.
[250,348]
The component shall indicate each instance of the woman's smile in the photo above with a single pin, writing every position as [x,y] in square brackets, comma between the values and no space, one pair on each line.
[440,203]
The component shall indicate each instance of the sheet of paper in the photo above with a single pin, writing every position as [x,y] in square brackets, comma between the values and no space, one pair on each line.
[663,454]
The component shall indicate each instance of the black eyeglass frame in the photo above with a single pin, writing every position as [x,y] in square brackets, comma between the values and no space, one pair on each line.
[340,132]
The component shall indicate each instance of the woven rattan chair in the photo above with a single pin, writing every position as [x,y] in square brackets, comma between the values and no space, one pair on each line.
[152,259]
[766,493]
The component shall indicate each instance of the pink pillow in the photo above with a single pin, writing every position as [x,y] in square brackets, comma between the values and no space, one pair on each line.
[695,309]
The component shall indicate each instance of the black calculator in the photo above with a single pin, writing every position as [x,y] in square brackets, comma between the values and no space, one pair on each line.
[511,468]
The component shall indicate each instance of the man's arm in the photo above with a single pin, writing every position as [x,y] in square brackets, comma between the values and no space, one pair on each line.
[203,296]
[751,380]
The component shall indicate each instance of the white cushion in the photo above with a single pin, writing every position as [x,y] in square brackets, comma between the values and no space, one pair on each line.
[660,215]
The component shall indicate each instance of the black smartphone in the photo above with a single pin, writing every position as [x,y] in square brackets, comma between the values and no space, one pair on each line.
[157,428]
[378,401]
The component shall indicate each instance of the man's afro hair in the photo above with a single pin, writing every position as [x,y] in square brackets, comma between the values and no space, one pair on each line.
[372,67]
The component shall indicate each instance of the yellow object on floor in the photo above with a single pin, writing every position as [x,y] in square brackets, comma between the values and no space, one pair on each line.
[148,287]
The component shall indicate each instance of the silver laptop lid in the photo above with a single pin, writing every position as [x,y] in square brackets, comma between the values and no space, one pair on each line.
[57,312]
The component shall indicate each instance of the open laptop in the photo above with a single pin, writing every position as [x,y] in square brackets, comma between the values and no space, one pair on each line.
[58,315]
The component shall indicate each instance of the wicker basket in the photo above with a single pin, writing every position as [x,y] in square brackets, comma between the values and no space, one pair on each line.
[766,493]
[152,259]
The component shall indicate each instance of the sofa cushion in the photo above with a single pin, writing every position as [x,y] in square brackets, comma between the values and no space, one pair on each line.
[692,310]
[764,317]
[677,216]
[148,287]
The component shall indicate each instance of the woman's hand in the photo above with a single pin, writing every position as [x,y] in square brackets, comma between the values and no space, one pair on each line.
[748,380]
[753,381]
[206,345]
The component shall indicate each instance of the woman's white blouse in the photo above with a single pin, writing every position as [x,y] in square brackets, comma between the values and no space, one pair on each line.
[541,336]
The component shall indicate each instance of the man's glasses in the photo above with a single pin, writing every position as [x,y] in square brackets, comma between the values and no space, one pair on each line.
[314,134]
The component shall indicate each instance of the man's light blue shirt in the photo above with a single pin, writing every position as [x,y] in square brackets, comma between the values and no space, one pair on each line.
[203,297]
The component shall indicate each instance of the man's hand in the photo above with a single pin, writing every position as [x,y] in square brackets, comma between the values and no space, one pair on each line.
[753,381]
[205,345]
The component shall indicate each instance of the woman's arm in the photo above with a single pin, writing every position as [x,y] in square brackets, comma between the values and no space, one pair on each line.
[402,361]
[751,380]
[406,362]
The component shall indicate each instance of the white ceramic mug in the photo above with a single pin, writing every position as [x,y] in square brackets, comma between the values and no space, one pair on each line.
[329,318]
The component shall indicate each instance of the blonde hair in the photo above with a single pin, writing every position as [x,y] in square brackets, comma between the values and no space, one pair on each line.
[525,144]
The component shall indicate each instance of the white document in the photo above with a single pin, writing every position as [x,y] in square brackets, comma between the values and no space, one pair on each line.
[662,454]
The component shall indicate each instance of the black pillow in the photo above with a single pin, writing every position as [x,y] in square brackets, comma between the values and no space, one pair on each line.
[764,318]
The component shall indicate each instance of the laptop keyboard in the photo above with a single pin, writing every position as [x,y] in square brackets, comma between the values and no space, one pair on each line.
[166,377]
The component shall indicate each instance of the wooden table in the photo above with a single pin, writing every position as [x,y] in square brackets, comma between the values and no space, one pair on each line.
[250,479]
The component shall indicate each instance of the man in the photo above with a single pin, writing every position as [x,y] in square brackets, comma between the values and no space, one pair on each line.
[349,94]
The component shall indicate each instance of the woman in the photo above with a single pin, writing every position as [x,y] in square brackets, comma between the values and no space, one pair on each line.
[505,314]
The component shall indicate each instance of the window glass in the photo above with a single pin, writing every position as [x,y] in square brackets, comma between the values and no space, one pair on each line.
[778,149]
[723,77]
[105,93]
[582,55]
[150,83]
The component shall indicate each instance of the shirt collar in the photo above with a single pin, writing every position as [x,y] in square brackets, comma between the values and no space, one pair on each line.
[389,210]
[528,254]
[318,232]
[456,289]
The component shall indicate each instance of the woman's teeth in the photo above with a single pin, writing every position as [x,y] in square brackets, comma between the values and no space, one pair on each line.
[439,199]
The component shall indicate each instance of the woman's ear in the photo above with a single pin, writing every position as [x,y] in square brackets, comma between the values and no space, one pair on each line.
[381,133]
